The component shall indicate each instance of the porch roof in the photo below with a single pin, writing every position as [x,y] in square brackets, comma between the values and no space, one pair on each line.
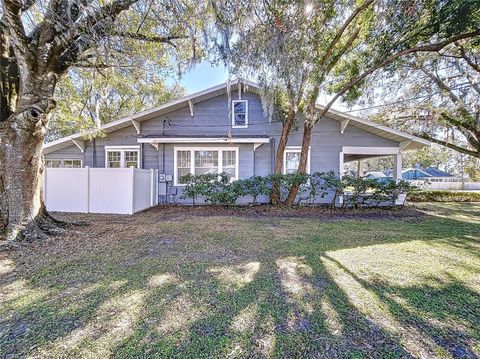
[154,139]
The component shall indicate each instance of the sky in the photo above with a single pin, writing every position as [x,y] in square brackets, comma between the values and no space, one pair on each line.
[205,75]
[202,76]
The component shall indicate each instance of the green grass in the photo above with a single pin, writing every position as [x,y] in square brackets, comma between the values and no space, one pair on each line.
[156,286]
[444,196]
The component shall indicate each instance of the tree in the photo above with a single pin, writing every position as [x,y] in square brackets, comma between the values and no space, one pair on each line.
[88,98]
[39,43]
[334,46]
[404,31]
[437,96]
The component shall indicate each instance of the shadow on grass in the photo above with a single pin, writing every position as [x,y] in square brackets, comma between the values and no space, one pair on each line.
[241,289]
[432,310]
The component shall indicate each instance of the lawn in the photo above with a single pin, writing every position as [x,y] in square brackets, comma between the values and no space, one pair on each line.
[193,284]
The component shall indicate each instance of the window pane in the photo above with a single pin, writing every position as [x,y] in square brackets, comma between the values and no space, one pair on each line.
[183,164]
[292,160]
[239,119]
[239,107]
[239,113]
[229,164]
[67,163]
[53,163]
[206,162]
[131,159]
[113,159]
[76,163]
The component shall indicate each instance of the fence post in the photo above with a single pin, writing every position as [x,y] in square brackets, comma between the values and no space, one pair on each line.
[45,186]
[152,191]
[156,187]
[133,190]
[87,169]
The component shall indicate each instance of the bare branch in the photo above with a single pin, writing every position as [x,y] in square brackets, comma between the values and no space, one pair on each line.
[149,38]
[13,16]
[424,48]
[457,148]
[468,60]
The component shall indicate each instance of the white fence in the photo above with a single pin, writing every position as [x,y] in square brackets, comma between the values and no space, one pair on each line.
[100,190]
[468,186]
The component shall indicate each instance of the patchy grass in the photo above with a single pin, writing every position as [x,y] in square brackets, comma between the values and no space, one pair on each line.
[238,286]
[444,196]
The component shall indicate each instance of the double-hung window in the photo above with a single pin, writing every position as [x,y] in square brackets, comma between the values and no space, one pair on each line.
[205,160]
[122,156]
[291,159]
[63,163]
[239,113]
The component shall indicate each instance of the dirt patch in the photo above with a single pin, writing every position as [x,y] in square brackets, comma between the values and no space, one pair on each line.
[179,212]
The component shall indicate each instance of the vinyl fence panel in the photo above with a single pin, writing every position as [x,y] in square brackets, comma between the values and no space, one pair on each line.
[65,189]
[142,190]
[100,190]
[111,190]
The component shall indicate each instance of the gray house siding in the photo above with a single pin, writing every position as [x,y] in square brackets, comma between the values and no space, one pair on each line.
[210,118]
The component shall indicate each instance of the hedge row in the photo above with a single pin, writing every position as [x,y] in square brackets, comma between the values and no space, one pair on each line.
[214,188]
[444,196]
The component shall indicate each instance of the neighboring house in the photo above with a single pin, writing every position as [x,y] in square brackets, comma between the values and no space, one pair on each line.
[212,131]
[430,174]
[377,176]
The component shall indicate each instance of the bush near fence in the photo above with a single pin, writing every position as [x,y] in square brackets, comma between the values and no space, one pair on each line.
[444,196]
[212,188]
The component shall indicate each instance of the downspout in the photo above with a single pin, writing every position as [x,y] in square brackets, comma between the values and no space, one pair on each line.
[254,152]
[94,154]
[163,157]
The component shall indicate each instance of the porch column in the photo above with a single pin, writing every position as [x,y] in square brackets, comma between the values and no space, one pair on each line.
[360,169]
[397,167]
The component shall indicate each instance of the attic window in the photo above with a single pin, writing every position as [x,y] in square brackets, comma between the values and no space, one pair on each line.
[240,114]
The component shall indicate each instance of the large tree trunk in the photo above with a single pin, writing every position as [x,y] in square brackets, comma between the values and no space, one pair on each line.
[302,166]
[22,213]
[280,154]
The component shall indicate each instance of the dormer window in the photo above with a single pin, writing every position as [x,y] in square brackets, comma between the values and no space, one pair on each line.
[240,114]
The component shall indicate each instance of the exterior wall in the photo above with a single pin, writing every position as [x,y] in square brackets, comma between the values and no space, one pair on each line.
[211,118]
[68,153]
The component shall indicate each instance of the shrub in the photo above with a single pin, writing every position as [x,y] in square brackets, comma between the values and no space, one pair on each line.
[357,192]
[444,196]
[254,186]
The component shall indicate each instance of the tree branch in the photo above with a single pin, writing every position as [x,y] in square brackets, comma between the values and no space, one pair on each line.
[13,16]
[468,60]
[149,38]
[424,48]
[340,31]
[457,148]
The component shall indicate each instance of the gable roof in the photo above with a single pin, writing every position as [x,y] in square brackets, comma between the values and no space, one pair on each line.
[409,141]
[376,174]
[435,172]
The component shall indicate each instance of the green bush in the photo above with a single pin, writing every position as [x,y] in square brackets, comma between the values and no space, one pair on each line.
[212,187]
[254,186]
[444,196]
[357,192]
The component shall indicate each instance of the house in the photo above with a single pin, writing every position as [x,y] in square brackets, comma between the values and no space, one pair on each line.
[224,129]
[428,175]
[377,176]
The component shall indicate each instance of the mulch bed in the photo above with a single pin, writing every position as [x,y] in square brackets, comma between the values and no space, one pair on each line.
[173,212]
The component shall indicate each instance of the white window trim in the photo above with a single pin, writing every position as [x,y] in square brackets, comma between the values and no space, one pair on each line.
[192,160]
[122,150]
[233,114]
[295,149]
[64,159]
